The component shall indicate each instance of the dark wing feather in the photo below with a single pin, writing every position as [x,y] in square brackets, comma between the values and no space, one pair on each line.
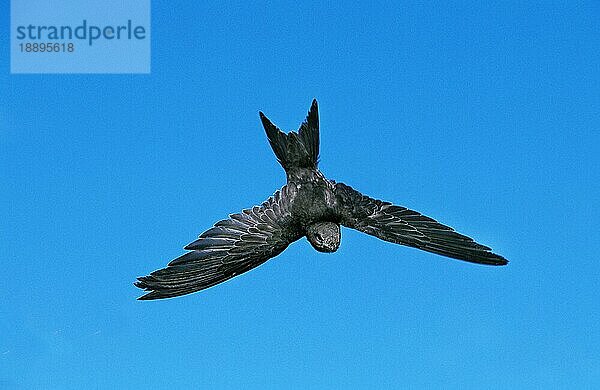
[407,227]
[231,247]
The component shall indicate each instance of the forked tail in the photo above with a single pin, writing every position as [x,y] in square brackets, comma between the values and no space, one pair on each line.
[296,149]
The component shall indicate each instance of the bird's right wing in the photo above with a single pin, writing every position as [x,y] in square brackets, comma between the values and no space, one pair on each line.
[233,246]
[400,225]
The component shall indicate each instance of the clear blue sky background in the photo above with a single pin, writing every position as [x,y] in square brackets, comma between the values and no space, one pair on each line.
[484,117]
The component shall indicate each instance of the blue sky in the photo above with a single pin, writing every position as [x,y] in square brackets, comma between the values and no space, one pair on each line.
[483,117]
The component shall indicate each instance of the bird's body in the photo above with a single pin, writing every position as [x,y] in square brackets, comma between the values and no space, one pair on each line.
[308,205]
[314,207]
[315,200]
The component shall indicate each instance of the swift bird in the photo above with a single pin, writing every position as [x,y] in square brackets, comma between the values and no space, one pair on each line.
[308,205]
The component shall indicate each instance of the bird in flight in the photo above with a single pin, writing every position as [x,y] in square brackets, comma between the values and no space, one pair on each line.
[308,205]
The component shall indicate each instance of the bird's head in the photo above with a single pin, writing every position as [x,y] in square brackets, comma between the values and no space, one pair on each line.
[324,236]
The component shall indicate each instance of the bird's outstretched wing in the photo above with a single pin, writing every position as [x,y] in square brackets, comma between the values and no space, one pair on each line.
[233,246]
[403,226]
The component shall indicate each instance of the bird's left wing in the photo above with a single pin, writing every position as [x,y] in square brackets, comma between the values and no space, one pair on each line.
[400,225]
[231,247]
